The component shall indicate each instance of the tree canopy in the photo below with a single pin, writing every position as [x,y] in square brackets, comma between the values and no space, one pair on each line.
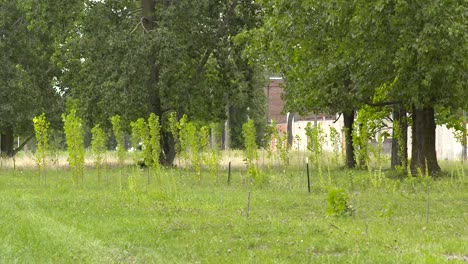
[26,75]
[134,58]
[336,55]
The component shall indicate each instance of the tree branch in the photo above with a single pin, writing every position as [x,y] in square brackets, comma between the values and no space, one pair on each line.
[17,21]
[336,119]
[384,103]
[219,33]
[143,25]
[23,144]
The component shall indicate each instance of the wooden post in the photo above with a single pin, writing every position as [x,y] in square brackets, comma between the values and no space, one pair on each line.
[464,140]
[229,173]
[308,175]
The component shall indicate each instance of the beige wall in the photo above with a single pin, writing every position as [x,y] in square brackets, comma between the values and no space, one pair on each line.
[447,147]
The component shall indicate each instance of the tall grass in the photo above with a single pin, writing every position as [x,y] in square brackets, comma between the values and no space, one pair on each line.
[182,219]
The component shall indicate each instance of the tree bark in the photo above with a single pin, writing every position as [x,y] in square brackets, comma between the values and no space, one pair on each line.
[348,118]
[7,142]
[424,138]
[399,119]
[167,141]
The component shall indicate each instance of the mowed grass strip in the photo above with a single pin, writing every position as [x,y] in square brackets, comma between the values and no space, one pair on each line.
[177,219]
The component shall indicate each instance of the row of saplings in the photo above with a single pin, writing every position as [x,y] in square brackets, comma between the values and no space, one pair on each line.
[193,145]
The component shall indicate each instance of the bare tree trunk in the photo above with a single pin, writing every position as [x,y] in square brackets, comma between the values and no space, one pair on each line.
[348,118]
[7,143]
[423,152]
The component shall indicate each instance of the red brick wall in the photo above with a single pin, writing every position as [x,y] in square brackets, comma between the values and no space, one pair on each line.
[275,104]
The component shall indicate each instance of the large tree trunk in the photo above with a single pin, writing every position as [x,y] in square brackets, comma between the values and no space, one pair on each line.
[399,153]
[348,118]
[424,138]
[7,143]
[167,141]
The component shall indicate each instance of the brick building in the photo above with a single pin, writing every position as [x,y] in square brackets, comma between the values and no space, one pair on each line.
[275,104]
[447,146]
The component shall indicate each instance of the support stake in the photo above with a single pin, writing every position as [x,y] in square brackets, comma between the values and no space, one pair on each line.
[308,174]
[229,173]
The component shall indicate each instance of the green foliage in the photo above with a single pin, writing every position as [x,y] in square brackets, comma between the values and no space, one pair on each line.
[140,135]
[204,134]
[216,135]
[270,133]
[57,143]
[388,210]
[276,144]
[282,147]
[184,140]
[209,154]
[98,147]
[191,143]
[174,129]
[27,75]
[194,146]
[398,134]
[41,128]
[361,142]
[291,223]
[338,203]
[75,143]
[455,120]
[250,151]
[315,141]
[199,67]
[377,178]
[211,159]
[154,138]
[249,135]
[119,138]
[335,139]
[319,79]
[369,122]
[363,51]
[163,62]
[316,138]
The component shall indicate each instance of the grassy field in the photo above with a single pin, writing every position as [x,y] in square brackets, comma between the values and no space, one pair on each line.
[178,219]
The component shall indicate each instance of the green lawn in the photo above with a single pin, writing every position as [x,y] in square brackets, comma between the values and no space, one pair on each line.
[178,219]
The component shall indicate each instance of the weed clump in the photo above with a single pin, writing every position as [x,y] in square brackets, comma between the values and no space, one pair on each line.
[338,203]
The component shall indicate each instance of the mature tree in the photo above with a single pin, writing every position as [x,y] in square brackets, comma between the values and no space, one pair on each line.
[431,68]
[134,58]
[335,55]
[26,76]
[425,41]
[310,44]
